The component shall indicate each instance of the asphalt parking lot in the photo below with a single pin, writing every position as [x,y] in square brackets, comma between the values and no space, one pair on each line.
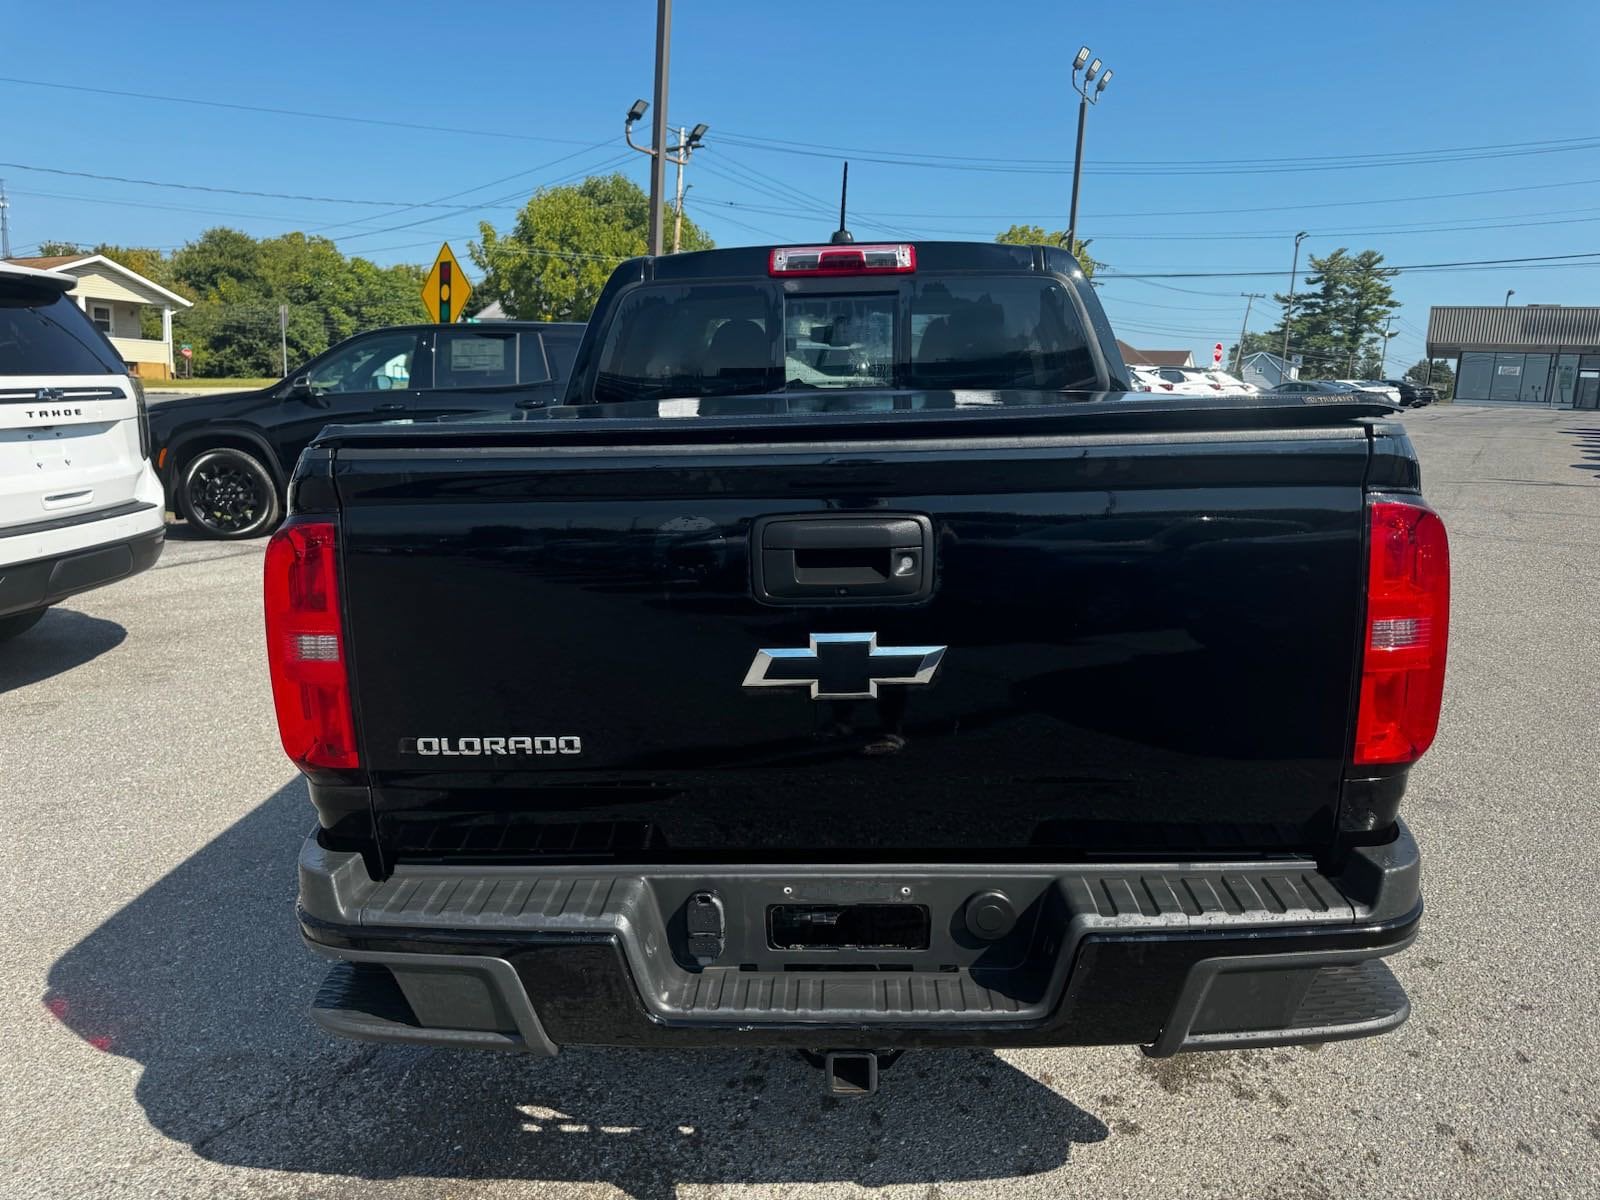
[156,1042]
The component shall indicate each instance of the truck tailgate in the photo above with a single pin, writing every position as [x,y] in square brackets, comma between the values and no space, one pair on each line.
[1148,646]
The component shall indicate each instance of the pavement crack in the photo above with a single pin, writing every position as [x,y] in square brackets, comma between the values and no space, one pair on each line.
[200,562]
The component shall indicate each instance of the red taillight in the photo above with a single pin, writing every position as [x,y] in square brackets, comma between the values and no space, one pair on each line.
[305,646]
[1408,627]
[886,259]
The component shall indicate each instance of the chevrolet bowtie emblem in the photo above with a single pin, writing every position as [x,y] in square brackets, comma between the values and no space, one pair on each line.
[844,666]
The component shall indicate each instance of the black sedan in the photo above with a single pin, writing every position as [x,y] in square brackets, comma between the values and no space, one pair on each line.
[1327,387]
[224,460]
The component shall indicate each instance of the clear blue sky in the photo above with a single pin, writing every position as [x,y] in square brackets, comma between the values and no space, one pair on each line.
[1277,83]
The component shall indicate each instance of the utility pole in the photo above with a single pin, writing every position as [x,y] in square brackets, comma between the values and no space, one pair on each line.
[1249,300]
[1084,100]
[1288,313]
[1383,354]
[283,336]
[658,132]
[677,221]
[5,223]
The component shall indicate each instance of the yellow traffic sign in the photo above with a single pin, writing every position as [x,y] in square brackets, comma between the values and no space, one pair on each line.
[445,292]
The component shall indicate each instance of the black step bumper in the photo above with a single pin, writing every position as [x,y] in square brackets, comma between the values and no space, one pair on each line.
[45,581]
[1169,956]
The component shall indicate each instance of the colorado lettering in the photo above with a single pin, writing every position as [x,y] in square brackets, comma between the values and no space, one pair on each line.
[477,747]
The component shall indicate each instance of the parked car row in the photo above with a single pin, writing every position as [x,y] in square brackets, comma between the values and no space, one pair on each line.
[1400,392]
[224,460]
[1403,392]
[1190,381]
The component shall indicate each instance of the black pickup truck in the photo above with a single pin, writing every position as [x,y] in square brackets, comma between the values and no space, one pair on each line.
[853,663]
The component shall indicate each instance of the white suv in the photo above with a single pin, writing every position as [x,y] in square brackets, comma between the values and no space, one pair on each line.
[80,505]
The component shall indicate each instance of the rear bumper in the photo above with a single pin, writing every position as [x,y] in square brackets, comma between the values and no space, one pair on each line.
[51,579]
[1172,957]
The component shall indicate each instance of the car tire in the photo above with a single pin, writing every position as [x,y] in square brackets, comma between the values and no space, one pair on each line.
[19,623]
[228,493]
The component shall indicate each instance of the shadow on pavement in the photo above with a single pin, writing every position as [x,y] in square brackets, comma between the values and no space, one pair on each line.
[1587,443]
[63,639]
[202,980]
[179,530]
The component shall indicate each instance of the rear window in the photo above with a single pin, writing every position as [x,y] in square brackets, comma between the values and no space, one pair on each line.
[955,332]
[1004,332]
[690,341]
[42,332]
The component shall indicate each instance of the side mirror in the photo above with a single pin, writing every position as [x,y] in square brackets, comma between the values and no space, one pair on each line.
[300,389]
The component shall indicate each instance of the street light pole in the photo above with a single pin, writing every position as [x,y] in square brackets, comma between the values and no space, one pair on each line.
[1288,313]
[1077,171]
[658,133]
[1510,292]
[1249,300]
[1085,99]
[1383,356]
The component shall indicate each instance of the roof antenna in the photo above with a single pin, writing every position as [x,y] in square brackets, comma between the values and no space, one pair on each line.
[842,236]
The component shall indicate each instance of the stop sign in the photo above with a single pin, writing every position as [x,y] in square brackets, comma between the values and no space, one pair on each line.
[1216,354]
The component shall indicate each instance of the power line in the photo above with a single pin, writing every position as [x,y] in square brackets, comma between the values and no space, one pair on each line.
[1386,269]
[813,203]
[289,112]
[1329,160]
[201,187]
[1195,168]
[1489,221]
[457,209]
[1207,212]
[184,208]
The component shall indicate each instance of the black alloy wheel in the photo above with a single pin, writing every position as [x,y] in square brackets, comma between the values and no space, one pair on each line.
[228,493]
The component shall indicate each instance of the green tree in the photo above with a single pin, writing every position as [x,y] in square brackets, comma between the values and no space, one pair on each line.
[1338,319]
[1035,235]
[239,283]
[1443,379]
[553,261]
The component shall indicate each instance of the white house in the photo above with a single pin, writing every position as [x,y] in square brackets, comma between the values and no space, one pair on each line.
[1267,370]
[114,299]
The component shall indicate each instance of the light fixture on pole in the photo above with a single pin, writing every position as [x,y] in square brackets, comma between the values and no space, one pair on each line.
[1510,292]
[1087,96]
[1288,313]
[677,155]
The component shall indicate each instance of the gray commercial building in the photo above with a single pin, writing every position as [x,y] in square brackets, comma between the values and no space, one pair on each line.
[1545,354]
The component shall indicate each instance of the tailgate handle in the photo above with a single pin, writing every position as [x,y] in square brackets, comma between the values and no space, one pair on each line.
[834,559]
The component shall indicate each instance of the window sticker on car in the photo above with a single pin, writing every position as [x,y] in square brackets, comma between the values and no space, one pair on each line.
[478,354]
